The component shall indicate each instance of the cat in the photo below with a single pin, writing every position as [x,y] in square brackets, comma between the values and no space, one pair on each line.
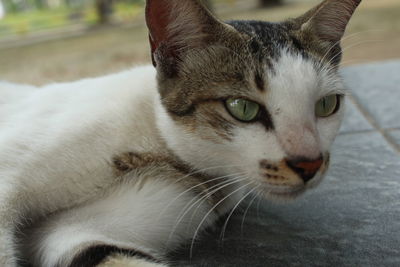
[122,169]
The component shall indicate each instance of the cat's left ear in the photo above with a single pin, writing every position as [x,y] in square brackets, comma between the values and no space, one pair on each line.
[328,20]
[176,26]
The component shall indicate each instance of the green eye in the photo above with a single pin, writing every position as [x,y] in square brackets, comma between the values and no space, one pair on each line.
[242,109]
[327,106]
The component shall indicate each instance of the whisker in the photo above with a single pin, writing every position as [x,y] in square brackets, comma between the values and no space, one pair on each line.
[207,169]
[201,200]
[222,185]
[232,211]
[209,212]
[348,47]
[189,206]
[321,62]
[245,212]
[204,198]
[258,209]
[195,186]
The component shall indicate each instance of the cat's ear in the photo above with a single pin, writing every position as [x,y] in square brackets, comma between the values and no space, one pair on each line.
[176,26]
[328,20]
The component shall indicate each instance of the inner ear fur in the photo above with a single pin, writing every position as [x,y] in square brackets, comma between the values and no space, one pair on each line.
[176,26]
[321,29]
[328,20]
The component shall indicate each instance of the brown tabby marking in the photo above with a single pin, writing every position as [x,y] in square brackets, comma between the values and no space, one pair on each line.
[131,162]
[269,166]
[259,82]
[279,174]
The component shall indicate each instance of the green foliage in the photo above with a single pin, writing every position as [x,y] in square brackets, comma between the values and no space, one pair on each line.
[10,6]
[27,16]
[34,20]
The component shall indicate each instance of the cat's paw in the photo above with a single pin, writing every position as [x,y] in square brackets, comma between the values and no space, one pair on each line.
[119,260]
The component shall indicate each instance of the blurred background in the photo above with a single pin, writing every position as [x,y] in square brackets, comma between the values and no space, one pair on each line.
[44,41]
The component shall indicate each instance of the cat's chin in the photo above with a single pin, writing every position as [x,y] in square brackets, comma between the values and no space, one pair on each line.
[289,193]
[286,195]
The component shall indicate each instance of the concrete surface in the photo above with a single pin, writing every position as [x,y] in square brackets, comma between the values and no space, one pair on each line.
[352,218]
[396,136]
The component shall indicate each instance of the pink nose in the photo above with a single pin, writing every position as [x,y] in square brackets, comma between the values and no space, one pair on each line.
[305,168]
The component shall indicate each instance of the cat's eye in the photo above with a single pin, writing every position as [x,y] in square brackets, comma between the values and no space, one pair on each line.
[242,109]
[327,106]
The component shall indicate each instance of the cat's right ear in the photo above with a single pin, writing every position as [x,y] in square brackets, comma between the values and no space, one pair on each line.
[322,28]
[328,20]
[176,26]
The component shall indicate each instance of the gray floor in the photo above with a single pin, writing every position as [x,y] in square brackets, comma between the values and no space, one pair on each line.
[353,217]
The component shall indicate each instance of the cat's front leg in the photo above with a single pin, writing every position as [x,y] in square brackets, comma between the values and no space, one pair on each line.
[121,260]
[7,252]
[144,217]
[8,217]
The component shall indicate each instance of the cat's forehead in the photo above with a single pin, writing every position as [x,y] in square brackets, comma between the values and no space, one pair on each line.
[252,60]
[268,40]
[253,51]
[282,61]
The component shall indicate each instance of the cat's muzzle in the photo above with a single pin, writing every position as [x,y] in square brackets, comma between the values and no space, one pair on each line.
[291,177]
[306,169]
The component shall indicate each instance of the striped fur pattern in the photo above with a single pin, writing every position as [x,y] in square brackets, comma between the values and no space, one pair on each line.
[121,170]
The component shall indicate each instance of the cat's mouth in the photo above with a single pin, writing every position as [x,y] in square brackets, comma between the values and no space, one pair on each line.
[289,179]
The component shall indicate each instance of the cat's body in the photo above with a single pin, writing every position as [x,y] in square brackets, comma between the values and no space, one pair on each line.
[139,162]
[76,152]
[80,125]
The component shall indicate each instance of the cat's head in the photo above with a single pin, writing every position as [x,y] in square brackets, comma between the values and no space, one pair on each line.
[253,101]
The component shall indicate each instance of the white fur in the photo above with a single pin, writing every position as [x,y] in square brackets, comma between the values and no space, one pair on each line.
[56,142]
[143,217]
[56,146]
[296,86]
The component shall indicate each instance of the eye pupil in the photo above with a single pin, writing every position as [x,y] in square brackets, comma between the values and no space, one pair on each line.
[242,109]
[327,106]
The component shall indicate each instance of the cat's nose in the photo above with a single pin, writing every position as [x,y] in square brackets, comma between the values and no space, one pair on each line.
[305,168]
